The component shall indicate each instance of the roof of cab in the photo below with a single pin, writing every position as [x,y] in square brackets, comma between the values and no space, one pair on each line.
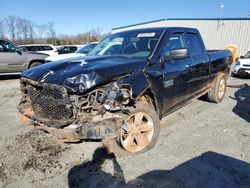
[154,29]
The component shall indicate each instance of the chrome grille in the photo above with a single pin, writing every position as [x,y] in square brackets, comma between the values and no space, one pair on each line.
[50,102]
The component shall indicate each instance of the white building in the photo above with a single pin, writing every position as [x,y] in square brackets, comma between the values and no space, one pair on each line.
[216,33]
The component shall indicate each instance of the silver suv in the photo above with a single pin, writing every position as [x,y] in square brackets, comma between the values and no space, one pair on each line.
[13,60]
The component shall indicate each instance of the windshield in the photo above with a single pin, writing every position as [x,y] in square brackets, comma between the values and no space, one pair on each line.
[86,49]
[247,55]
[132,44]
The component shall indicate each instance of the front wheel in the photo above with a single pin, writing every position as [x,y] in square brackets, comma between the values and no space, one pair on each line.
[139,131]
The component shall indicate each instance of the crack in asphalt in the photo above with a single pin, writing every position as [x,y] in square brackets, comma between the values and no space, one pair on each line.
[8,98]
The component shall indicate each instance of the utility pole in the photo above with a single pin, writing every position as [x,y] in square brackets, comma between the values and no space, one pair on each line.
[221,16]
[221,11]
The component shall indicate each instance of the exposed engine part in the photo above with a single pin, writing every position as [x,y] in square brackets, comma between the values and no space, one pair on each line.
[90,102]
[115,98]
[94,115]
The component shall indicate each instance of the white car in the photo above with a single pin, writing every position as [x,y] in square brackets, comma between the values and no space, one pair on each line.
[242,67]
[81,52]
[41,48]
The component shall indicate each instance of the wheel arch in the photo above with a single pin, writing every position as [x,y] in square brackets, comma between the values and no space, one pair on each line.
[149,97]
[36,60]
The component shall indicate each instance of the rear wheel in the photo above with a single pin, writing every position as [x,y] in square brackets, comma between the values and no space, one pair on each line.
[217,93]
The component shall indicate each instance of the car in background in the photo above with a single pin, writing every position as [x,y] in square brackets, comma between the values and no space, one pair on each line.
[57,47]
[79,53]
[66,49]
[113,47]
[41,48]
[242,66]
[13,60]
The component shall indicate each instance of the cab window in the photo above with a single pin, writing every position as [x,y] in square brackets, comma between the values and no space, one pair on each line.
[6,47]
[34,48]
[46,48]
[194,44]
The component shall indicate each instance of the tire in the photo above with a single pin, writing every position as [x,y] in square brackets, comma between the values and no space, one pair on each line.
[34,64]
[233,75]
[217,93]
[139,132]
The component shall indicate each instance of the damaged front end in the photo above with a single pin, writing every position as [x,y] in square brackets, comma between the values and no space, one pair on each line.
[89,113]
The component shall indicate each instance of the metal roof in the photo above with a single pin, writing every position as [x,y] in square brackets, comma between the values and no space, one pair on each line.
[180,19]
[155,29]
[139,24]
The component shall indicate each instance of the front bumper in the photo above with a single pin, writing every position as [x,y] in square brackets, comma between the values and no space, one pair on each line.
[50,108]
[243,72]
[96,130]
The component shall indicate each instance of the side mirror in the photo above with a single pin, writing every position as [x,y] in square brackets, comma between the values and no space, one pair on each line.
[181,53]
[19,51]
[242,57]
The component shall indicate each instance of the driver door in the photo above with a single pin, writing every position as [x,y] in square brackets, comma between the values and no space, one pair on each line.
[176,75]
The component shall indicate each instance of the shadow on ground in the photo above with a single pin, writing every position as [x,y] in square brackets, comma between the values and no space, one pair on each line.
[208,170]
[9,77]
[242,108]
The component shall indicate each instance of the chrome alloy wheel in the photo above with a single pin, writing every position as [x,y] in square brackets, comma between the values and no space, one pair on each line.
[221,89]
[137,132]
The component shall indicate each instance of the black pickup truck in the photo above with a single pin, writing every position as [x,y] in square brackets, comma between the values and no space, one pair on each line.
[122,95]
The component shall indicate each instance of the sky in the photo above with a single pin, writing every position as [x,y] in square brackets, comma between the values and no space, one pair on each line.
[79,16]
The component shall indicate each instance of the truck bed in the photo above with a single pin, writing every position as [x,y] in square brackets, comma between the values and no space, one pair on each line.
[218,54]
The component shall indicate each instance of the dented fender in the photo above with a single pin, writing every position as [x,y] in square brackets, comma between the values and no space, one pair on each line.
[137,82]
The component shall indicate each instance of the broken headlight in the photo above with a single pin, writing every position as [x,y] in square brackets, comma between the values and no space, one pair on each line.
[115,98]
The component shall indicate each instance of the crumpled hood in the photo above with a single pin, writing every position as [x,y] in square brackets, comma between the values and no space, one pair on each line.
[88,71]
[64,56]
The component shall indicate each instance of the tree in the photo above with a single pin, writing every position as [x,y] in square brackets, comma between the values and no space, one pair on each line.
[24,31]
[51,33]
[21,29]
[11,25]
[2,29]
[31,30]
[41,30]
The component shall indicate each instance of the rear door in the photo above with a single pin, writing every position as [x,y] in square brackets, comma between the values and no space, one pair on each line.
[199,64]
[10,60]
[176,77]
